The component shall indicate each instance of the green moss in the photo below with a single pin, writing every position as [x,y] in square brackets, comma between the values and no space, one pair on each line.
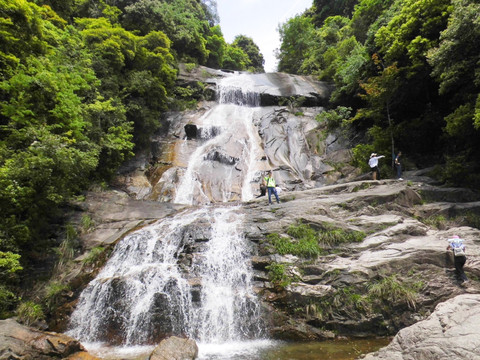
[87,223]
[306,242]
[363,186]
[436,221]
[334,237]
[306,246]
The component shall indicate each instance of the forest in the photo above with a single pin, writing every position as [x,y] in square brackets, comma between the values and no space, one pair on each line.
[406,75]
[84,84]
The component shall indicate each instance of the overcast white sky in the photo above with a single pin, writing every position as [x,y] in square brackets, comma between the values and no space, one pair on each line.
[259,20]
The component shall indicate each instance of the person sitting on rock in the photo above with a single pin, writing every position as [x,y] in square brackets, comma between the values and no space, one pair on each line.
[263,190]
[455,244]
[269,182]
[373,162]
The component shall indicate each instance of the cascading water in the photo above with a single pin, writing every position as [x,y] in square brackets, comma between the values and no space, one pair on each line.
[164,279]
[229,136]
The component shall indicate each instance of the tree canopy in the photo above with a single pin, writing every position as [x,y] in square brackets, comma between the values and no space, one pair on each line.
[83,86]
[408,69]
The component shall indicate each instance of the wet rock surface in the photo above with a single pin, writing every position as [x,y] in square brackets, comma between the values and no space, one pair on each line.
[331,294]
[175,348]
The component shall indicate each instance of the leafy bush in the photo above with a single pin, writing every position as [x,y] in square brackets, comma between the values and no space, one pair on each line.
[394,291]
[29,312]
[335,118]
[277,273]
[361,154]
[94,256]
[9,267]
[7,301]
[189,67]
[53,293]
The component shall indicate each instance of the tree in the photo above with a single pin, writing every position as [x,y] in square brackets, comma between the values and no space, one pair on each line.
[322,9]
[137,74]
[183,21]
[379,93]
[235,58]
[297,37]
[216,47]
[252,50]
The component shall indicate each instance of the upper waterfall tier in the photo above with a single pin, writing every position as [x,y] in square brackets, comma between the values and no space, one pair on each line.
[265,89]
[220,151]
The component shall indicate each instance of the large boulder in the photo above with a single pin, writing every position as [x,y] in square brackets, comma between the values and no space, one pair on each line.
[451,332]
[175,348]
[21,342]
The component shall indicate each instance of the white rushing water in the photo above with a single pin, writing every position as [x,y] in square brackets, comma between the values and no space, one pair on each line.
[159,280]
[228,131]
[143,288]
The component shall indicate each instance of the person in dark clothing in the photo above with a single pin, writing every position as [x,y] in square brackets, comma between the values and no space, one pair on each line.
[455,244]
[398,165]
[263,190]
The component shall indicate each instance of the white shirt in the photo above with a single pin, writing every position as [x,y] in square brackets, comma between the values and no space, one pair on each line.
[374,160]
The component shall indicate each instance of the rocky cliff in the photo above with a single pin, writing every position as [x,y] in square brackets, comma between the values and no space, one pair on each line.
[381,264]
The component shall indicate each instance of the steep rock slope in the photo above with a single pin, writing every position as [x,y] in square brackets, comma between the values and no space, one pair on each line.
[390,276]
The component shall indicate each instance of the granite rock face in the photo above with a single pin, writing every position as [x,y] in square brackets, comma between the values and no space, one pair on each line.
[402,250]
[450,332]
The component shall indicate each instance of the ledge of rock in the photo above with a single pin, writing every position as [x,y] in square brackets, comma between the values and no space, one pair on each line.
[21,342]
[451,332]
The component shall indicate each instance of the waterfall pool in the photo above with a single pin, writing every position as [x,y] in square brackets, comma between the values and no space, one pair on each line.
[348,349]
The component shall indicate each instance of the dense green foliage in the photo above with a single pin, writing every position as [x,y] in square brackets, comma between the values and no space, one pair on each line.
[408,69]
[83,85]
[304,241]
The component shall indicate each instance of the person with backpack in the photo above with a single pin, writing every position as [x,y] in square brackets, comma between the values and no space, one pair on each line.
[373,163]
[269,182]
[455,244]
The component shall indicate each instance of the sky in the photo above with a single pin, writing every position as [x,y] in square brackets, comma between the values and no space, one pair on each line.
[259,20]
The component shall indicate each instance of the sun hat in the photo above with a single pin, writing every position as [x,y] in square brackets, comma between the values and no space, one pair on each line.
[455,239]
[373,154]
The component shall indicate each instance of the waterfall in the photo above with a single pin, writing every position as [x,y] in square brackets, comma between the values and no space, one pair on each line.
[227,161]
[239,90]
[189,274]
[145,292]
[229,309]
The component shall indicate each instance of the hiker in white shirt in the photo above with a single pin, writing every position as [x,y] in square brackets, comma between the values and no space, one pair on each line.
[373,162]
